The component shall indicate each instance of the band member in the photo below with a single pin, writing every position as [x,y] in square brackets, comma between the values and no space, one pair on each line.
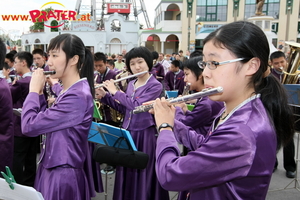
[25,148]
[158,68]
[103,74]
[6,118]
[39,59]
[174,79]
[64,170]
[235,159]
[5,72]
[279,63]
[134,183]
[10,61]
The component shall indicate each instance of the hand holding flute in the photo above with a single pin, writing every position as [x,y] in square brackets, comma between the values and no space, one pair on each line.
[37,81]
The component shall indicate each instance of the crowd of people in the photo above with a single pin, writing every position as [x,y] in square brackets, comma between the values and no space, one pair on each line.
[231,138]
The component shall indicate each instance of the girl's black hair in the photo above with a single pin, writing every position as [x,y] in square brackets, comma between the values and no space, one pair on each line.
[246,40]
[139,52]
[72,45]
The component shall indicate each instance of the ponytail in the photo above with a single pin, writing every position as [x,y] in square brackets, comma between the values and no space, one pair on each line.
[275,99]
[87,70]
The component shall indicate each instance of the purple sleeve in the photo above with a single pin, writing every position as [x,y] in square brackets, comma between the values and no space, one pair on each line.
[108,99]
[60,116]
[200,116]
[233,147]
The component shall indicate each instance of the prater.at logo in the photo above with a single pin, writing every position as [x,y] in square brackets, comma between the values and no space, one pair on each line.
[59,15]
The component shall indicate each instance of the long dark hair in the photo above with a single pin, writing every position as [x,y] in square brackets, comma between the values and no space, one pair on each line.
[73,45]
[246,40]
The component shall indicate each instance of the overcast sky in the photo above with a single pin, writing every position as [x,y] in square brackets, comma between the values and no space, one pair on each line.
[22,7]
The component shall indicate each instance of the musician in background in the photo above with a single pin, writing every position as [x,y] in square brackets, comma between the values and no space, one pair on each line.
[134,183]
[174,79]
[39,59]
[157,69]
[235,158]
[165,63]
[10,61]
[279,63]
[25,148]
[65,170]
[5,72]
[111,65]
[6,118]
[104,73]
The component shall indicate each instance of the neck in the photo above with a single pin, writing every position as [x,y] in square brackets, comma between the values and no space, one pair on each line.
[230,105]
[25,71]
[142,79]
[69,80]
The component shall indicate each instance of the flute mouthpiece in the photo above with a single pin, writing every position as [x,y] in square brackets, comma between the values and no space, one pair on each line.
[49,72]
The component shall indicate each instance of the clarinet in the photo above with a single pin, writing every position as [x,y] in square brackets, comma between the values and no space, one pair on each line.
[197,95]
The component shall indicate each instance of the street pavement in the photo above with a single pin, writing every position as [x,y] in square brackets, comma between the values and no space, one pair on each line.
[281,187]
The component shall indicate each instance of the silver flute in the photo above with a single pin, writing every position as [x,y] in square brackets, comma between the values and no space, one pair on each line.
[124,78]
[197,95]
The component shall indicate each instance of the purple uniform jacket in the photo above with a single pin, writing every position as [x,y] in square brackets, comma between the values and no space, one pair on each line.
[6,126]
[202,116]
[19,92]
[234,160]
[158,70]
[277,74]
[179,83]
[108,75]
[66,126]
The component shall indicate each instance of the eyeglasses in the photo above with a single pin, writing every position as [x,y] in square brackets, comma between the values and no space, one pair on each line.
[212,65]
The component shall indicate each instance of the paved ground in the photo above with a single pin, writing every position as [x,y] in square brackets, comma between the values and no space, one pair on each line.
[281,187]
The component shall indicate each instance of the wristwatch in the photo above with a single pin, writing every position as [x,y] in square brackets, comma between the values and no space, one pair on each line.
[164,125]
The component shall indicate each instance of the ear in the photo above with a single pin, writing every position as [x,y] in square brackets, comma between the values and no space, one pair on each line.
[253,66]
[74,60]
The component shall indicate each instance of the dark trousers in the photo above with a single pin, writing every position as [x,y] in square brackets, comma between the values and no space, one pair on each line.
[289,163]
[24,162]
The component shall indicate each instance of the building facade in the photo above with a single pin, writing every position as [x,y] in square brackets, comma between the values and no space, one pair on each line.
[179,25]
[172,17]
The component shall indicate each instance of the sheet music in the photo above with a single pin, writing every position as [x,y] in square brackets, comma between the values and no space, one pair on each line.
[20,192]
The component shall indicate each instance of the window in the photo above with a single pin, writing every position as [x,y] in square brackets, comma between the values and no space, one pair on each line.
[271,8]
[211,10]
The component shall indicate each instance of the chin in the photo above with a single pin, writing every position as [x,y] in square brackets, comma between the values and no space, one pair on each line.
[215,97]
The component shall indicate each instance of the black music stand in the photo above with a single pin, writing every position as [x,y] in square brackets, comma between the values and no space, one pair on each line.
[293,92]
[106,134]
